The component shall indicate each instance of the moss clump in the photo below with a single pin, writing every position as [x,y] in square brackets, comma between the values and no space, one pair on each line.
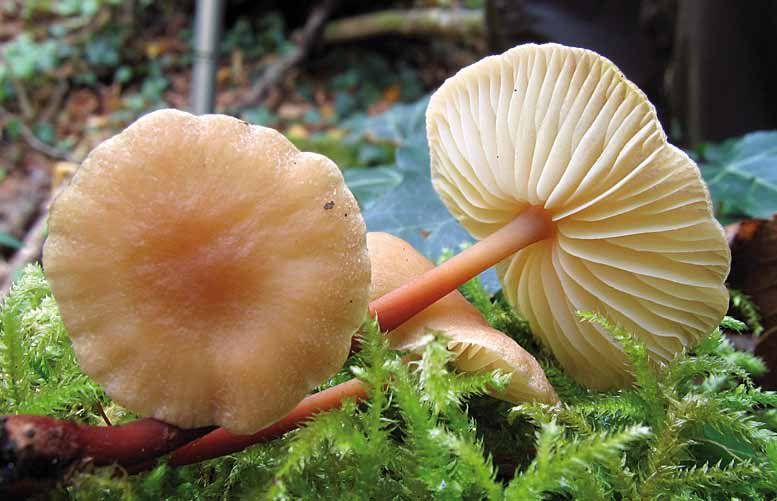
[699,429]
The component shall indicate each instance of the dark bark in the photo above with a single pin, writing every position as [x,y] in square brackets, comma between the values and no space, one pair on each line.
[723,70]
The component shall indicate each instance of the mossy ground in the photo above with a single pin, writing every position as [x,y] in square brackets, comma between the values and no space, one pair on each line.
[699,429]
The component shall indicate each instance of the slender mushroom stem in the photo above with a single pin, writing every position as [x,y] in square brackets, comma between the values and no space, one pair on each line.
[393,309]
[220,442]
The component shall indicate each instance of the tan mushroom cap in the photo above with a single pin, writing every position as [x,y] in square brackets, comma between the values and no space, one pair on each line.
[635,238]
[207,271]
[478,347]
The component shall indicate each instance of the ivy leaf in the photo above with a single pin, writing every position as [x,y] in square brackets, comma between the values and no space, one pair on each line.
[412,210]
[7,240]
[368,184]
[396,125]
[742,177]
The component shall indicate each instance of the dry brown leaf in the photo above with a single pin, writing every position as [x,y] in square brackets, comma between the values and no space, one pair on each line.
[754,272]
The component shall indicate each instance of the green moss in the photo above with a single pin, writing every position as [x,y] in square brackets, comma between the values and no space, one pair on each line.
[39,373]
[698,429]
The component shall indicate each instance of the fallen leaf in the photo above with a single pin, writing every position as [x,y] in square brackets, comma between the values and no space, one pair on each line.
[60,172]
[754,272]
[292,111]
[297,131]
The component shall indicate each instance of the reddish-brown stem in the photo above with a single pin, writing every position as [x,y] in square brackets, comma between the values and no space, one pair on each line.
[220,442]
[531,225]
[44,442]
[41,447]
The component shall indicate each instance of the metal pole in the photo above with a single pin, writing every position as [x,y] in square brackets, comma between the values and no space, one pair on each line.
[207,34]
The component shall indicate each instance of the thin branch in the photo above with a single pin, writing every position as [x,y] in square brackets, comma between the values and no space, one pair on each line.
[306,39]
[452,23]
[22,202]
[23,99]
[31,251]
[103,414]
[55,101]
[35,143]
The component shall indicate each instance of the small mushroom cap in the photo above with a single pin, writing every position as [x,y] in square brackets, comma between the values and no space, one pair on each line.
[207,271]
[635,238]
[478,347]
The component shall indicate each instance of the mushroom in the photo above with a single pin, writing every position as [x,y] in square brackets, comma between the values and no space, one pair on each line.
[547,153]
[557,162]
[476,345]
[207,271]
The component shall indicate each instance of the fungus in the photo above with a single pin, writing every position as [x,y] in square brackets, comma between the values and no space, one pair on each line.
[199,273]
[546,153]
[477,346]
[559,164]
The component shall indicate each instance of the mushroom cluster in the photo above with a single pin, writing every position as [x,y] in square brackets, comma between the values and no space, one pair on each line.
[210,273]
[555,145]
[207,271]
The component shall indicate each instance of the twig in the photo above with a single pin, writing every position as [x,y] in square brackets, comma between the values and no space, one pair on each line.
[35,143]
[306,39]
[20,203]
[23,99]
[33,244]
[453,23]
[103,414]
[55,100]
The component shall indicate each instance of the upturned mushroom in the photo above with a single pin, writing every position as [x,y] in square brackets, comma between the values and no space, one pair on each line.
[207,271]
[557,162]
[476,345]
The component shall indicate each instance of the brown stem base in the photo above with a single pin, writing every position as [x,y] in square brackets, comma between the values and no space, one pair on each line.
[34,449]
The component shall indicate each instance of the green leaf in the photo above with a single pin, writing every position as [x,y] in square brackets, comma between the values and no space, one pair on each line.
[371,183]
[412,210]
[741,175]
[45,132]
[25,57]
[260,115]
[8,240]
